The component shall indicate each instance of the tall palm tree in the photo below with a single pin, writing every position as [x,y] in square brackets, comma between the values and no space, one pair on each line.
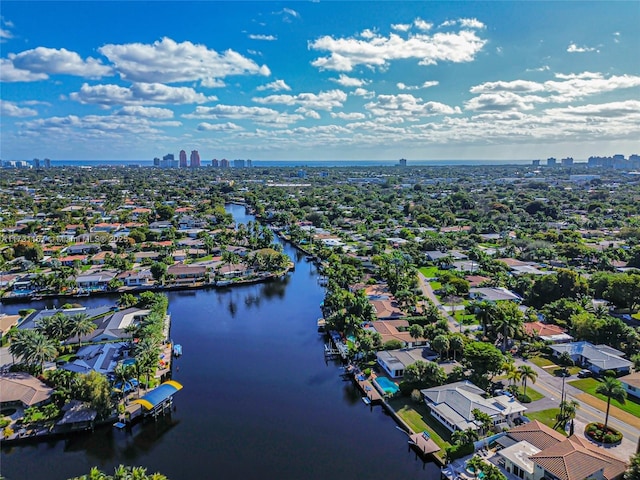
[56,326]
[527,373]
[508,321]
[33,347]
[611,388]
[81,325]
[513,374]
[456,343]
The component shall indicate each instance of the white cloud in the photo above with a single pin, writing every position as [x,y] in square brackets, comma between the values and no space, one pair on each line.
[45,61]
[347,81]
[321,101]
[502,101]
[259,115]
[9,73]
[147,112]
[513,86]
[616,37]
[401,27]
[573,48]
[607,110]
[213,83]
[422,24]
[363,92]
[308,113]
[348,116]
[5,33]
[171,62]
[137,94]
[266,38]
[219,127]
[276,86]
[407,106]
[11,109]
[471,23]
[427,84]
[378,51]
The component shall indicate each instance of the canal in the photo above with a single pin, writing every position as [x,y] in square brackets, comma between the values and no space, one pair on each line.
[259,400]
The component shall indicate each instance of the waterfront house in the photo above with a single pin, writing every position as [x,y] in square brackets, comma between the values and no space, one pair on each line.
[396,330]
[22,389]
[452,405]
[114,326]
[101,358]
[395,362]
[596,358]
[136,278]
[95,281]
[186,274]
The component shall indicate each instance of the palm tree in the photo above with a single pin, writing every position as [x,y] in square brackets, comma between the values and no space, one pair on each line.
[416,331]
[440,344]
[56,326]
[508,320]
[456,343]
[33,347]
[611,388]
[513,374]
[81,325]
[527,373]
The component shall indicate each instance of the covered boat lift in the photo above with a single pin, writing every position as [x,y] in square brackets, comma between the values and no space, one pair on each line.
[159,399]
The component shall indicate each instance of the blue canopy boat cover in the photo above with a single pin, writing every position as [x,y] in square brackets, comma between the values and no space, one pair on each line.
[159,394]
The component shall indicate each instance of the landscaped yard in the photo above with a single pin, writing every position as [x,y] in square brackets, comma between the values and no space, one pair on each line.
[541,361]
[548,417]
[420,420]
[430,272]
[589,385]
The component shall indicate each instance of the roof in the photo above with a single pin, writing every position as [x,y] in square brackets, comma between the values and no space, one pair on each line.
[576,459]
[602,356]
[494,294]
[542,329]
[77,412]
[158,395]
[22,387]
[456,401]
[537,434]
[633,379]
[519,454]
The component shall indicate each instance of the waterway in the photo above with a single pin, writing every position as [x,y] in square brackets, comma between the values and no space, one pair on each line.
[259,400]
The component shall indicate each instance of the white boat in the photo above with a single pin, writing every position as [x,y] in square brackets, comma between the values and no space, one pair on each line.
[366,400]
[177,350]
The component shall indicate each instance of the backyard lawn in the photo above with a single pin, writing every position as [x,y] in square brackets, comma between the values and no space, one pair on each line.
[541,361]
[589,386]
[420,420]
[533,394]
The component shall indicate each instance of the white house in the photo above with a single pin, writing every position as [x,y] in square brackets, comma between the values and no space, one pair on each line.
[596,358]
[631,383]
[452,405]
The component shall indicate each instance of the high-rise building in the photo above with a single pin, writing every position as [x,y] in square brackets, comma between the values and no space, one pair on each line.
[238,163]
[224,163]
[156,162]
[249,163]
[536,163]
[36,163]
[215,163]
[168,161]
[47,163]
[195,159]
[551,162]
[403,162]
[567,162]
[183,159]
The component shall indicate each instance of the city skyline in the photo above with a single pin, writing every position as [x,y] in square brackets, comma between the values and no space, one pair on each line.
[319,80]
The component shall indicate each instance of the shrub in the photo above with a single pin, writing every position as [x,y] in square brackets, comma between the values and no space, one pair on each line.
[407,388]
[367,372]
[459,450]
[4,422]
[524,398]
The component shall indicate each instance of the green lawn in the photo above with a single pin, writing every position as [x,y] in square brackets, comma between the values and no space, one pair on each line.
[636,316]
[420,420]
[589,386]
[533,394]
[541,361]
[436,285]
[430,272]
[548,417]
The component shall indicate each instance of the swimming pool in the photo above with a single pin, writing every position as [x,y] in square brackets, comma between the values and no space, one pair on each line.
[387,385]
[129,362]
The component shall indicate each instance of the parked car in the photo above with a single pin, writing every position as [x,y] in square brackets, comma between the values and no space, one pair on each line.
[584,373]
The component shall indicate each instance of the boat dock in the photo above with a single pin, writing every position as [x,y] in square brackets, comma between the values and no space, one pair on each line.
[339,348]
[364,385]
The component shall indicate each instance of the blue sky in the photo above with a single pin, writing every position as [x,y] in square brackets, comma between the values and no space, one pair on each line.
[319,80]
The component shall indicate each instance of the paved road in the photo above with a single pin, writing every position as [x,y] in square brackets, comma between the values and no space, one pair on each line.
[551,386]
[427,291]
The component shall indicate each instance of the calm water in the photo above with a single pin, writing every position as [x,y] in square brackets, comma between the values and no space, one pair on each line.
[259,401]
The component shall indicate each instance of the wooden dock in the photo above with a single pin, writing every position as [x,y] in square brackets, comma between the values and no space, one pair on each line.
[367,388]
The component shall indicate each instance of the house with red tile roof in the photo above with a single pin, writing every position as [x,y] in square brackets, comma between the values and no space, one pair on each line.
[547,332]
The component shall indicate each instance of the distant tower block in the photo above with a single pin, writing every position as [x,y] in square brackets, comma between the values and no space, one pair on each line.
[195,159]
[403,162]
